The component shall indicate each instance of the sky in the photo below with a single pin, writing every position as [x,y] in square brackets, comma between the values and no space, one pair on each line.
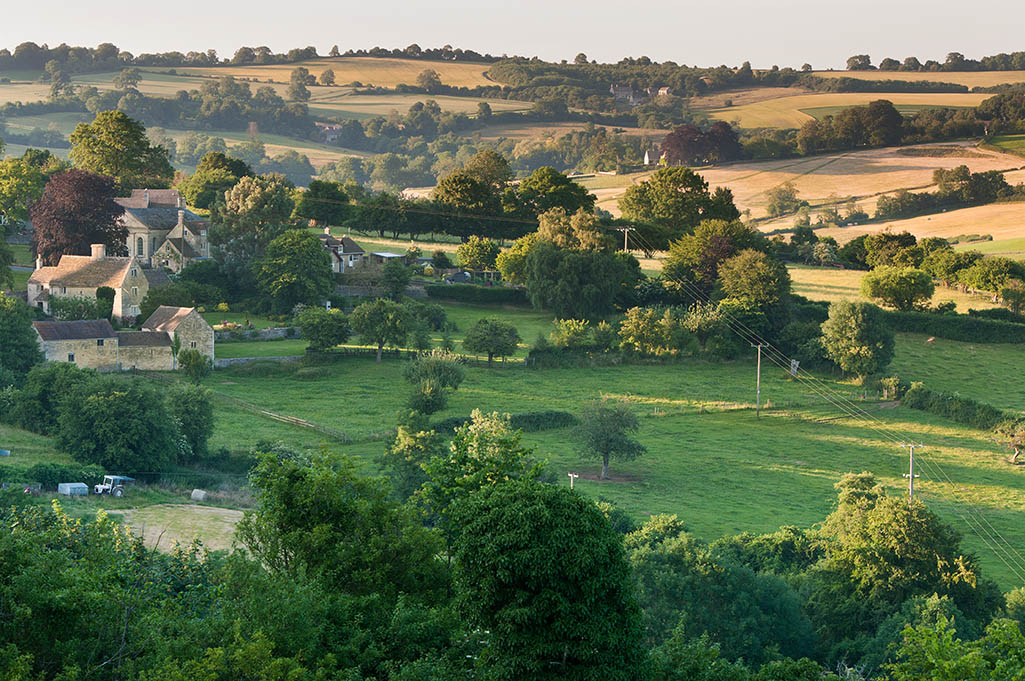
[706,33]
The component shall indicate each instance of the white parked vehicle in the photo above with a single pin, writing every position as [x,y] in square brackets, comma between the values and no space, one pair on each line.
[114,485]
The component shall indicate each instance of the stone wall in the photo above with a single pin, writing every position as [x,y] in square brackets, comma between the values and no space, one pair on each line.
[145,357]
[195,333]
[235,361]
[88,353]
[414,291]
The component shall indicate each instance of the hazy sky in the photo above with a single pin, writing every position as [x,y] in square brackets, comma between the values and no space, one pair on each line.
[707,33]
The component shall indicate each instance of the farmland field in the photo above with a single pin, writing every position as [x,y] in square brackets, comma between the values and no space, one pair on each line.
[1014,144]
[696,467]
[788,111]
[1004,221]
[967,78]
[163,525]
[829,284]
[818,113]
[1007,248]
[383,72]
[350,105]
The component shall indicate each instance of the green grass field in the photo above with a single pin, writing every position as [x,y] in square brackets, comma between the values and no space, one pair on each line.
[780,470]
[22,254]
[818,113]
[1014,144]
[829,284]
[1007,248]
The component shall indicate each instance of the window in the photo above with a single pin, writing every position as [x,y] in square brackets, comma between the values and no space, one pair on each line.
[192,344]
[139,246]
[154,245]
[99,342]
[71,357]
[135,290]
[135,272]
[64,289]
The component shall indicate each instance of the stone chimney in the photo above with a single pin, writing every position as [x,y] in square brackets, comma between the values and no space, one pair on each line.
[99,251]
[39,262]
[181,218]
[145,195]
[179,201]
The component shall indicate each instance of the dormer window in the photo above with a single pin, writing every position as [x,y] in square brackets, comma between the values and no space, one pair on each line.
[135,272]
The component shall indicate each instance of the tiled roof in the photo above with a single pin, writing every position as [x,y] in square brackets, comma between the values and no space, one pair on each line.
[84,272]
[78,330]
[345,244]
[184,247]
[138,339]
[156,276]
[157,197]
[166,318]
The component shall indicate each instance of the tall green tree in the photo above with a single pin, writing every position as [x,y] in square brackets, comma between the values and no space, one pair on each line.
[76,210]
[541,569]
[323,203]
[215,174]
[381,322]
[580,284]
[116,146]
[478,253]
[857,338]
[192,407]
[21,185]
[295,269]
[604,432]
[323,328]
[754,276]
[695,258]
[19,350]
[255,211]
[546,188]
[678,199]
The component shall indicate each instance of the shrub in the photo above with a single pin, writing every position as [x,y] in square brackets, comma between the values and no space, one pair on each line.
[963,410]
[472,293]
[49,475]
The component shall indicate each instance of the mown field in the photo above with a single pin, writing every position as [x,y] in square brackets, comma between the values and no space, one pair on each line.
[967,78]
[1003,221]
[818,113]
[831,284]
[788,111]
[383,72]
[1014,144]
[1007,248]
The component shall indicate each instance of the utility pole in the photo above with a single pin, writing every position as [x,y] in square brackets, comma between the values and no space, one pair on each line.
[758,382]
[626,234]
[572,477]
[910,475]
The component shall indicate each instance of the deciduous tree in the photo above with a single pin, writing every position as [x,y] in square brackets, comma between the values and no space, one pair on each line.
[76,210]
[19,349]
[116,146]
[323,328]
[381,322]
[492,336]
[903,288]
[295,269]
[604,432]
[857,338]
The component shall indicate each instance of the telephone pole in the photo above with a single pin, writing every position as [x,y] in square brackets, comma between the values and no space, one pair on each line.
[758,382]
[910,475]
[626,234]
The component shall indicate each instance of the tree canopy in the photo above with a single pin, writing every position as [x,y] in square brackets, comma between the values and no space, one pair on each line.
[77,210]
[117,146]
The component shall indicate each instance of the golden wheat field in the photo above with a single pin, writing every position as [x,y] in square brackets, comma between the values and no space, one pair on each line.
[967,78]
[786,111]
[385,72]
[1004,221]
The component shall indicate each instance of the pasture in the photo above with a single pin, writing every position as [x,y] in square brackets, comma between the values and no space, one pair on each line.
[382,72]
[1014,144]
[161,526]
[968,78]
[830,284]
[691,414]
[1007,248]
[346,104]
[788,111]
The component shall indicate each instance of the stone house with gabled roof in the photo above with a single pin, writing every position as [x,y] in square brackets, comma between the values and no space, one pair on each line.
[82,275]
[345,253]
[94,344]
[162,232]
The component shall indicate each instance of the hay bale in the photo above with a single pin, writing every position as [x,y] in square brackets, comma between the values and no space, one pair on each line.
[198,495]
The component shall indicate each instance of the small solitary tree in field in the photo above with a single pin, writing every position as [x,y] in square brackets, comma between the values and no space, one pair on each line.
[195,364]
[429,80]
[381,322]
[903,288]
[492,337]
[604,431]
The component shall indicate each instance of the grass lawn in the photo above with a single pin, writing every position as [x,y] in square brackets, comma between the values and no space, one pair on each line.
[22,255]
[831,284]
[990,373]
[161,525]
[214,317]
[1012,143]
[20,279]
[27,449]
[289,347]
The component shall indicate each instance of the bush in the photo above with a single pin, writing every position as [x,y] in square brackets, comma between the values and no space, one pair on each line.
[963,410]
[471,293]
[530,421]
[49,475]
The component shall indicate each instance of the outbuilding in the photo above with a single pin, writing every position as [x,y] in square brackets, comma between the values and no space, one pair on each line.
[73,489]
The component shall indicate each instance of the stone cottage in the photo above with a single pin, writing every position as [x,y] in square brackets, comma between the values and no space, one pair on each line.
[82,275]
